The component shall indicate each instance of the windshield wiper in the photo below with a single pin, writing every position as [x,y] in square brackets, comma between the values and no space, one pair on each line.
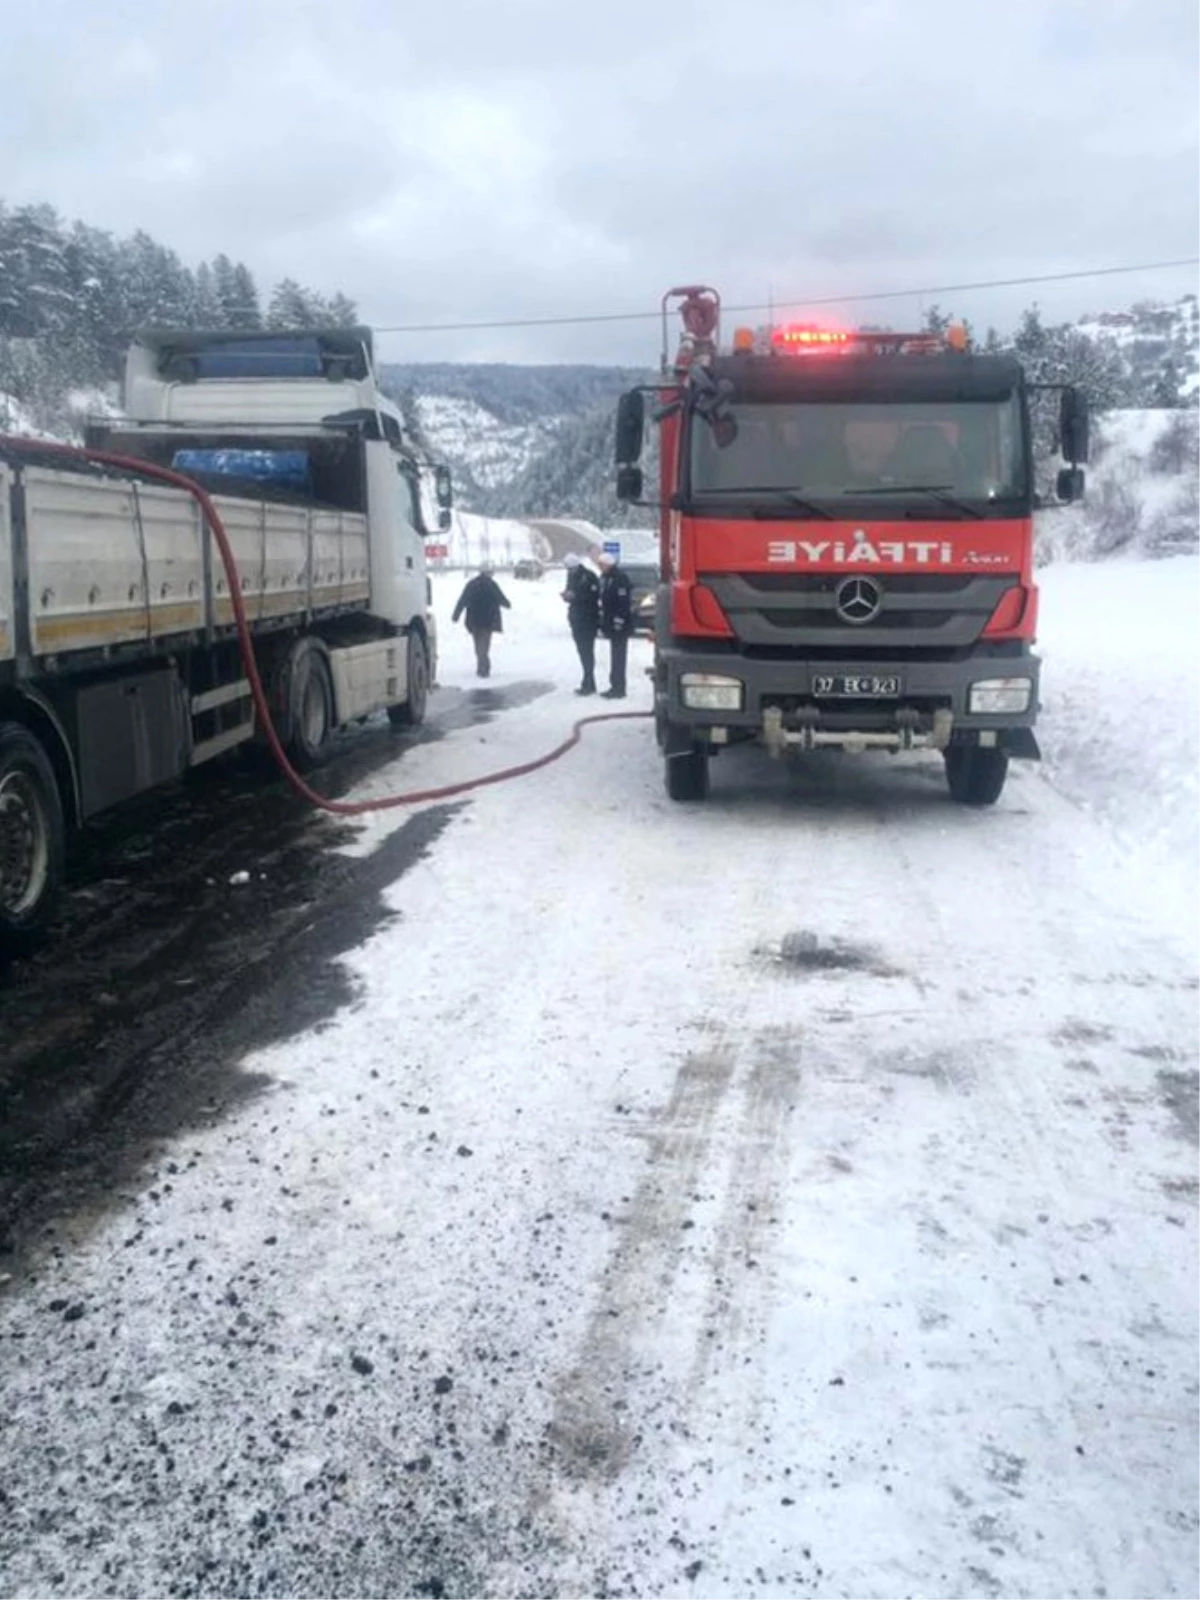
[939,491]
[783,497]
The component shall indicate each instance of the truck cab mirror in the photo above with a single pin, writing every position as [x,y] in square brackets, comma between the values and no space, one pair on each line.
[1073,426]
[629,483]
[444,489]
[631,424]
[444,517]
[1069,485]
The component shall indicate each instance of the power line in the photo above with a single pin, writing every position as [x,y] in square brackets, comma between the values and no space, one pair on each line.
[794,300]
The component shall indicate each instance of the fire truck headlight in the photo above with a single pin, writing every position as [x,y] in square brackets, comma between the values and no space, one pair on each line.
[709,691]
[992,697]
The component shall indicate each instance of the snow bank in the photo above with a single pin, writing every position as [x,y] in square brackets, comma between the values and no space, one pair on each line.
[1120,729]
[1143,492]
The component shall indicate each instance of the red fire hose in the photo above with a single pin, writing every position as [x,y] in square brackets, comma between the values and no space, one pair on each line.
[340,808]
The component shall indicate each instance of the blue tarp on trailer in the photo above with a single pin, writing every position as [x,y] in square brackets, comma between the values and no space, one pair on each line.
[282,469]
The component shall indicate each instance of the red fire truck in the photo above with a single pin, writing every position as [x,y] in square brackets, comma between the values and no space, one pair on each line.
[846,544]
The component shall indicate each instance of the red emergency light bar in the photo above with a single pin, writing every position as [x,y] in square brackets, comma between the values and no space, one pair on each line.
[807,337]
[801,339]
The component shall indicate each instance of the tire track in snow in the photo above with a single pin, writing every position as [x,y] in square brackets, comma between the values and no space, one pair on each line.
[593,1431]
[737,1266]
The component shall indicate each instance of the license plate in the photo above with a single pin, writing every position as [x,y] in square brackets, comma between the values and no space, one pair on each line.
[857,686]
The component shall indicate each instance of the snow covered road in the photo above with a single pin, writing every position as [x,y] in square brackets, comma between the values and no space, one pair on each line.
[794,1195]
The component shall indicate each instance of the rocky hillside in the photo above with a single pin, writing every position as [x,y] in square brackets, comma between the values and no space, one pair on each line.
[522,441]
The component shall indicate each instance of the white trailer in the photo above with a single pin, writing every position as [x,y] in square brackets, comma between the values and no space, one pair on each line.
[119,665]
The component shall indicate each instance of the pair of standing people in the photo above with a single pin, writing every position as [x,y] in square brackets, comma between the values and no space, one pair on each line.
[600,605]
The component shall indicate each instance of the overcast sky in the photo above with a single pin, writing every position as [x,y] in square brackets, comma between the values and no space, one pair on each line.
[454,159]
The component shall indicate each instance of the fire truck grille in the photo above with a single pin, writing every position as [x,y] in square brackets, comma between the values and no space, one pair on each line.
[860,610]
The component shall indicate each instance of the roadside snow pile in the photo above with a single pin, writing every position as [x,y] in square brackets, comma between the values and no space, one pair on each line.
[1143,493]
[1120,731]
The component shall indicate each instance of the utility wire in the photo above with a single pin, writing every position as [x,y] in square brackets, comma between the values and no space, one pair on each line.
[794,300]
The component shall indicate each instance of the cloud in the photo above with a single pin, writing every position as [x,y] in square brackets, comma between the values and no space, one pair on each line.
[451,161]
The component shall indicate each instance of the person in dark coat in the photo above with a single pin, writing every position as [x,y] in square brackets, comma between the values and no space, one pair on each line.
[582,594]
[482,600]
[616,622]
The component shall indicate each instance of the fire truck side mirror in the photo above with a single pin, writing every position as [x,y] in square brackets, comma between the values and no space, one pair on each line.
[1073,426]
[1069,485]
[629,483]
[631,424]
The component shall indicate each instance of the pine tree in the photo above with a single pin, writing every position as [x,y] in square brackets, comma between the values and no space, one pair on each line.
[290,306]
[1166,387]
[206,306]
[342,312]
[226,290]
[244,310]
[294,306]
[36,298]
[156,289]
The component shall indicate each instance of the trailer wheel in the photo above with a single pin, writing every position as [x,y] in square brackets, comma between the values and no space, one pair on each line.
[311,708]
[32,836]
[975,775]
[687,774]
[411,712]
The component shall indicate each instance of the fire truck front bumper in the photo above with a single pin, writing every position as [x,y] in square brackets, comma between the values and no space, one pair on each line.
[717,699]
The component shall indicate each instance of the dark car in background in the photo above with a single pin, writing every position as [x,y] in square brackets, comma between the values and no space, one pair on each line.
[644,576]
[528,568]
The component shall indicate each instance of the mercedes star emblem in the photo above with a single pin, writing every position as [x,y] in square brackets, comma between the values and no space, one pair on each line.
[859,600]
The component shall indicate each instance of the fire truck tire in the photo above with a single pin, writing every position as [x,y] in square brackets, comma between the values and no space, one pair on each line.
[687,775]
[410,713]
[975,775]
[32,837]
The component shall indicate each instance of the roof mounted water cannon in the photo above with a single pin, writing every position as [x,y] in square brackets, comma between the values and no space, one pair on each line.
[700,313]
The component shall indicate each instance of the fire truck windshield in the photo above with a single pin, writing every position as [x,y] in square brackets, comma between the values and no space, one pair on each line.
[971,450]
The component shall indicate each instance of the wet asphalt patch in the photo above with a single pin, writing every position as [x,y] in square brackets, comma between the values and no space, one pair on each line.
[118,1048]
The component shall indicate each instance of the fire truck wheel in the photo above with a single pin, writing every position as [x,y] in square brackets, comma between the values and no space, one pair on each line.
[32,837]
[687,775]
[975,775]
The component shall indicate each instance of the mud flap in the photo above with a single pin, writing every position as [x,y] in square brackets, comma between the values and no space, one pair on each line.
[1020,744]
[675,739]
